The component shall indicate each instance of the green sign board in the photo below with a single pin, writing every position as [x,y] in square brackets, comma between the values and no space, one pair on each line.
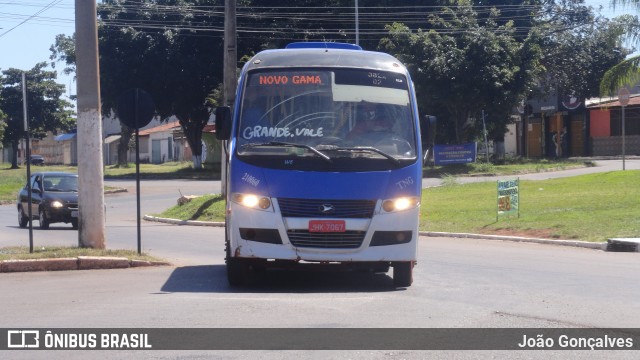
[508,197]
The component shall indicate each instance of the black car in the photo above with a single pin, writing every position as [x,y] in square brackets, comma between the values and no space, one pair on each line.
[54,198]
[36,160]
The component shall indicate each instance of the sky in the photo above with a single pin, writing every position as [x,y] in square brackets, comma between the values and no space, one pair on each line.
[28,29]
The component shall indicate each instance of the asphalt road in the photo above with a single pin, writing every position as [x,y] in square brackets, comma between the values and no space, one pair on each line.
[458,284]
[603,165]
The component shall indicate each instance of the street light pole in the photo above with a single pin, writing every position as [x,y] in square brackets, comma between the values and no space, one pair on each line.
[623,98]
[623,140]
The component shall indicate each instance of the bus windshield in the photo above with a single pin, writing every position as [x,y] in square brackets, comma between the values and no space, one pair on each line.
[327,114]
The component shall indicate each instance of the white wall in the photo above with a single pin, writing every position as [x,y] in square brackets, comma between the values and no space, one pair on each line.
[511,141]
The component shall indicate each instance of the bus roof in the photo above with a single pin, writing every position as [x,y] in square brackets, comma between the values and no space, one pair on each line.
[324,57]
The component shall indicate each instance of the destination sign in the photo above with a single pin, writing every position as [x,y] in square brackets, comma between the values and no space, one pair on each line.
[321,78]
[274,79]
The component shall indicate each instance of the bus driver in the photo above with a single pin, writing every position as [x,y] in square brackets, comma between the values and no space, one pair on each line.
[371,119]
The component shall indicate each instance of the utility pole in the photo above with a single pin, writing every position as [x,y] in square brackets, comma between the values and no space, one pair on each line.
[230,78]
[357,24]
[28,158]
[484,131]
[91,227]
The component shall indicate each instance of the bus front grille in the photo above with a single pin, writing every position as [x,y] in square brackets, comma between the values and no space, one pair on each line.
[341,240]
[314,208]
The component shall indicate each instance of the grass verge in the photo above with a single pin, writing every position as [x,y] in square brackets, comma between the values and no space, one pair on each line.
[513,166]
[203,208]
[22,253]
[591,207]
[168,170]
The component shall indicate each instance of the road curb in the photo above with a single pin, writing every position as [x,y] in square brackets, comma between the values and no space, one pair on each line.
[77,263]
[574,243]
[115,191]
[102,262]
[39,265]
[183,222]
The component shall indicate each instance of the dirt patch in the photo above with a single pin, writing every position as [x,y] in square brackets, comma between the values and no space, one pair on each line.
[531,233]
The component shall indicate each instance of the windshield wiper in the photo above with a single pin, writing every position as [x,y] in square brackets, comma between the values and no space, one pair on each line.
[280,143]
[371,149]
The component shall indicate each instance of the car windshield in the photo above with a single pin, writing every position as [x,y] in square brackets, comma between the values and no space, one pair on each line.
[322,113]
[60,183]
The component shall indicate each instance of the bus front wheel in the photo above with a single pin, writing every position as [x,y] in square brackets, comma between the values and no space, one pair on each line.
[403,273]
[237,268]
[237,271]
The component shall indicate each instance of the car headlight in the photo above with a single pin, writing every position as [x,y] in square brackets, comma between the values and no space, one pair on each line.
[400,204]
[251,201]
[56,204]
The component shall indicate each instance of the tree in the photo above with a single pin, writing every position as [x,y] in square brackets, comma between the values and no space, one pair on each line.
[47,110]
[64,50]
[165,47]
[462,66]
[626,72]
[465,57]
[578,47]
[169,57]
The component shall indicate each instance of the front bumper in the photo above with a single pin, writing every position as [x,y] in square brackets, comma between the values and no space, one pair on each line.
[265,234]
[64,214]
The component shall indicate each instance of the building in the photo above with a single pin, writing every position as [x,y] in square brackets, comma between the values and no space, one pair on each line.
[606,126]
[553,127]
[165,142]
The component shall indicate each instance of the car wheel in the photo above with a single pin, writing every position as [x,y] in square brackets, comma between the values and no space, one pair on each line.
[23,220]
[44,222]
[74,223]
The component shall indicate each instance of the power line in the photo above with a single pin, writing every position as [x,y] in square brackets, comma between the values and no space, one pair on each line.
[47,7]
[369,17]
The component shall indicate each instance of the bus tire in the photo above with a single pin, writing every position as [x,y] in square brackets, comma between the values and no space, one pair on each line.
[237,271]
[403,273]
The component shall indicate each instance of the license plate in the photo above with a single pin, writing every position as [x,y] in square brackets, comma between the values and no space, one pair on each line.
[327,226]
[74,213]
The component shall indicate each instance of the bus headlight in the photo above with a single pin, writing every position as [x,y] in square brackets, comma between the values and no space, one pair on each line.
[400,204]
[252,201]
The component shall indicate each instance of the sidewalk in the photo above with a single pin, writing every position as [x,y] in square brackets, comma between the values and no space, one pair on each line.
[75,263]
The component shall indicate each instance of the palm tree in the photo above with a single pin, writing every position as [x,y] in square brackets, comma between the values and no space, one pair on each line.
[626,73]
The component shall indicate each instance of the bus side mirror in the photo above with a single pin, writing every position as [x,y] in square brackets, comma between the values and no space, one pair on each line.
[223,123]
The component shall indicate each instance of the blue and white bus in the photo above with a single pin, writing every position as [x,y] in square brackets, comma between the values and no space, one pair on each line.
[324,162]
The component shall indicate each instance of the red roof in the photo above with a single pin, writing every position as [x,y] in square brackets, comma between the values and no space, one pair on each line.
[160,128]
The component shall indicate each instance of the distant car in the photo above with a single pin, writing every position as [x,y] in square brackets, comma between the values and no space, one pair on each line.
[54,198]
[36,160]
